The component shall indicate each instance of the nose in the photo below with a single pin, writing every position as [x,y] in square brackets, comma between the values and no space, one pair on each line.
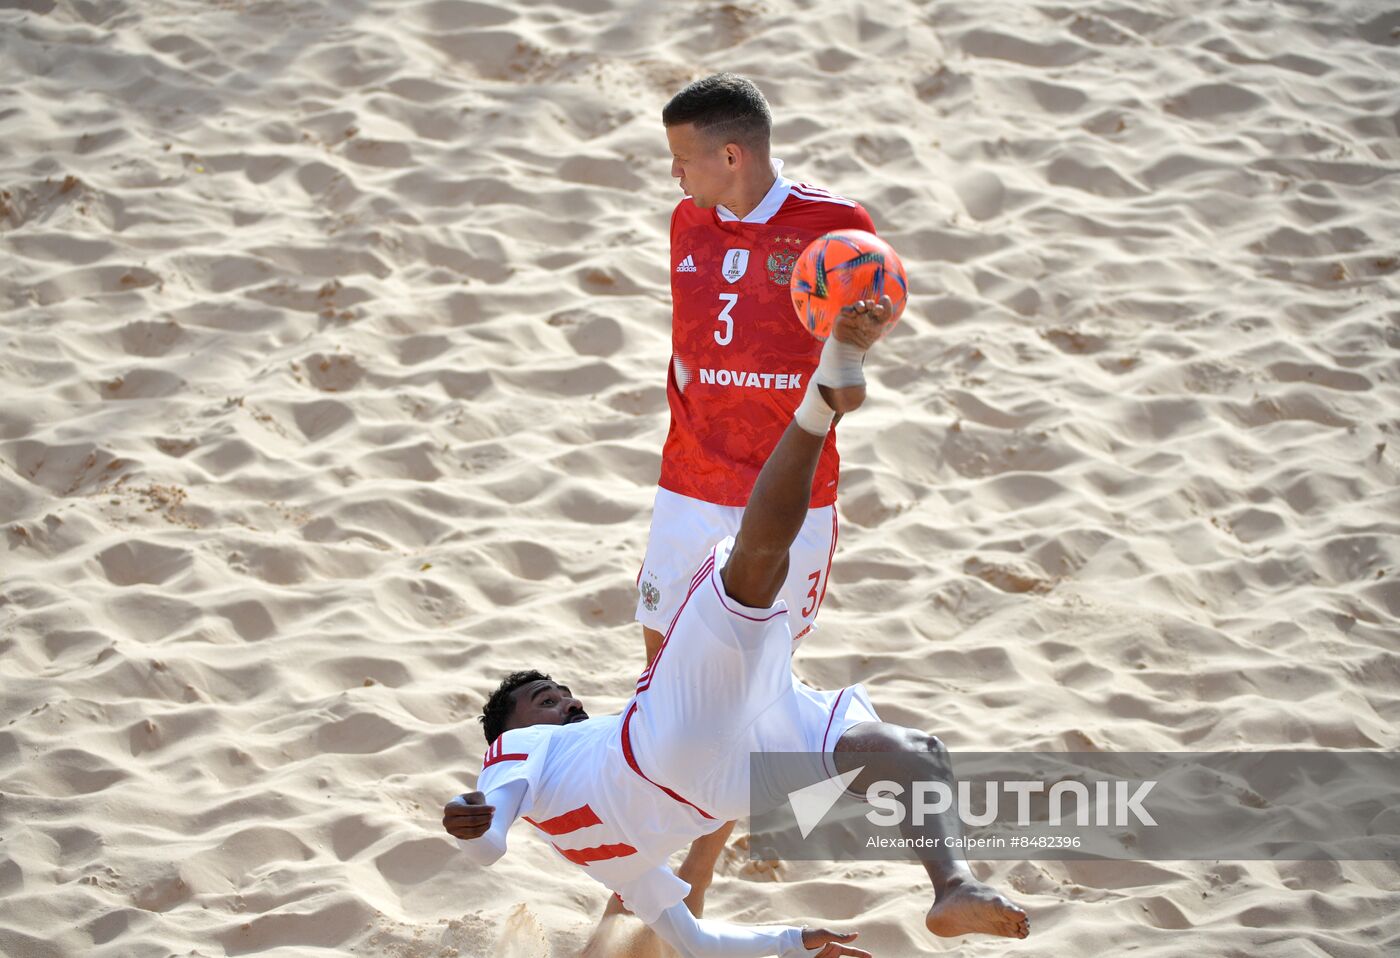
[572,705]
[676,170]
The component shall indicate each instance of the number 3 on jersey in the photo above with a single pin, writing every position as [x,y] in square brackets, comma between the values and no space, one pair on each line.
[723,337]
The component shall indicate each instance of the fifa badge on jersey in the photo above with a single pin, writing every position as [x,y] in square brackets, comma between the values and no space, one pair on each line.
[651,596]
[736,261]
[781,260]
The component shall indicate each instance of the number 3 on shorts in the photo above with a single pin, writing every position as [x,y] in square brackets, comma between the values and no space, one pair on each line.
[724,337]
[815,578]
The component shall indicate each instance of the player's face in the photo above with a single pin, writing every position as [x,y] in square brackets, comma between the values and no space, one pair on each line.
[544,703]
[702,164]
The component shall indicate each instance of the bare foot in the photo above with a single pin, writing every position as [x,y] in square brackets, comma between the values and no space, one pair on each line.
[972,908]
[863,323]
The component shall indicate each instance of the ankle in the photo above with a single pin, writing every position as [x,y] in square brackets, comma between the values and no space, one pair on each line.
[952,883]
[814,414]
[840,364]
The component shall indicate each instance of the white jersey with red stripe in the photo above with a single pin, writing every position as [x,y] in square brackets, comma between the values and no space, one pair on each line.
[617,795]
[595,810]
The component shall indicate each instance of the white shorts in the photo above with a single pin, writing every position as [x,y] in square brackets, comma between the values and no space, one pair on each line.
[683,530]
[722,688]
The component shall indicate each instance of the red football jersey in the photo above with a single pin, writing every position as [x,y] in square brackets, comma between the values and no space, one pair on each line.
[740,360]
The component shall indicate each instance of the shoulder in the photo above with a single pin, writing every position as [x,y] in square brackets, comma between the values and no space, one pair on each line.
[517,745]
[684,211]
[811,193]
[826,210]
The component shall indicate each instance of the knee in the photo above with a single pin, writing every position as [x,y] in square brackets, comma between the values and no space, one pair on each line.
[927,742]
[881,740]
[937,752]
[907,740]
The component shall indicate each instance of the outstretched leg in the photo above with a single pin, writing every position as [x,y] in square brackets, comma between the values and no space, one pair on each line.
[777,506]
[962,905]
[698,869]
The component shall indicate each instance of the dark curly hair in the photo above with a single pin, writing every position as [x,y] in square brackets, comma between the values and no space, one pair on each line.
[498,707]
[725,106]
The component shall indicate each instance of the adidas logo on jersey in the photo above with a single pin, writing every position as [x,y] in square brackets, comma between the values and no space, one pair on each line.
[686,265]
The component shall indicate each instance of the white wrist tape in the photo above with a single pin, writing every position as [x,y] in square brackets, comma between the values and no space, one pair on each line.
[813,414]
[840,365]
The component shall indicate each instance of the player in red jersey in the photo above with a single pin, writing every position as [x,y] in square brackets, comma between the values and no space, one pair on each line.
[616,795]
[740,362]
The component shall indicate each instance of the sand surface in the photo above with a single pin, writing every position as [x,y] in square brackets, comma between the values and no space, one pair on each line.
[333,338]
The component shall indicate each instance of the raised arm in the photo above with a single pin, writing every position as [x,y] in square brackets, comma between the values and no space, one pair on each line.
[479,821]
[701,938]
[777,506]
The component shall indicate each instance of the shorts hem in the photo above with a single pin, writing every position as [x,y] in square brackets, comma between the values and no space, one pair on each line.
[732,605]
[856,710]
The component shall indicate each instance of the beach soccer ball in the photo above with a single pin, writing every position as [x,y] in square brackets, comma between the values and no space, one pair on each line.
[840,268]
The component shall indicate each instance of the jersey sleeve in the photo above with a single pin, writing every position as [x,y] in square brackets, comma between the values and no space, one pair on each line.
[517,755]
[860,219]
[652,892]
[508,799]
[699,938]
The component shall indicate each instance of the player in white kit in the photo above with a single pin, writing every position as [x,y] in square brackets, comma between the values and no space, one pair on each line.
[617,795]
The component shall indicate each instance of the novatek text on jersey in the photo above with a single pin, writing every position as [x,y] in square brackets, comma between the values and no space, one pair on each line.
[748,380]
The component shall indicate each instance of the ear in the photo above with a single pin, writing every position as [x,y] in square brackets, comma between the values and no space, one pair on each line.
[732,154]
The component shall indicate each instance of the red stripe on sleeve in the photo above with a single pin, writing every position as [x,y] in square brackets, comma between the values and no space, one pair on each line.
[582,856]
[568,822]
[498,758]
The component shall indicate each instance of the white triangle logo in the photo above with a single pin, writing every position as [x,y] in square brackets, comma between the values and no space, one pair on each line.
[811,804]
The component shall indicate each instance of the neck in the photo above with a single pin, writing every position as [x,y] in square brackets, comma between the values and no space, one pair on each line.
[752,191]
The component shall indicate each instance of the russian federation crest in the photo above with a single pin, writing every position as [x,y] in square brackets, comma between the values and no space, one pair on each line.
[780,266]
[651,596]
[783,258]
